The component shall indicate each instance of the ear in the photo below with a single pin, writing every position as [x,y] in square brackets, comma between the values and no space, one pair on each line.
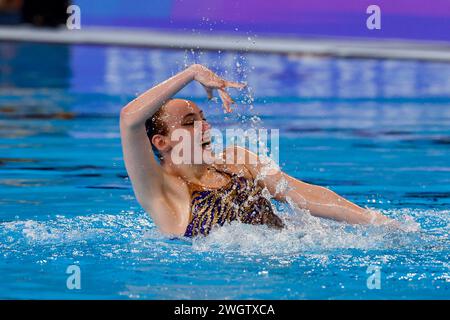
[160,142]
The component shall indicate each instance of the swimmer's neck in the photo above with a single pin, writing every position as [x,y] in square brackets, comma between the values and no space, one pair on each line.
[189,172]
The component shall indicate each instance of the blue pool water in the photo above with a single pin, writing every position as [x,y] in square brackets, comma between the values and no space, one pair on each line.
[375,131]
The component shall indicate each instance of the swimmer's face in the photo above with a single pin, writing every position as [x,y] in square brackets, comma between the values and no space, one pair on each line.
[184,120]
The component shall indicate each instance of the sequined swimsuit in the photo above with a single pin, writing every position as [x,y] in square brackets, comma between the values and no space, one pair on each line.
[240,199]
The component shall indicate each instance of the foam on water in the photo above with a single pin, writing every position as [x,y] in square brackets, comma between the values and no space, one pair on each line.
[104,231]
[303,233]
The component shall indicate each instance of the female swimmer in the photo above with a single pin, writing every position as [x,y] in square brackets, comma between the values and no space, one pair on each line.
[188,199]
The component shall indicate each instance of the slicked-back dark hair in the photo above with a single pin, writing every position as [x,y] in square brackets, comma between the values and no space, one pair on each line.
[156,125]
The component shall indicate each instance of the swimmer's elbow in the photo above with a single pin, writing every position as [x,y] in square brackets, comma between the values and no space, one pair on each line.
[125,119]
[129,120]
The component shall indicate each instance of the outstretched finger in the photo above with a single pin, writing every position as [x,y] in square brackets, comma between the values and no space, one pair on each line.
[226,99]
[236,85]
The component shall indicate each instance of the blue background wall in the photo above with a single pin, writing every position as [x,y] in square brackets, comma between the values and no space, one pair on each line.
[406,19]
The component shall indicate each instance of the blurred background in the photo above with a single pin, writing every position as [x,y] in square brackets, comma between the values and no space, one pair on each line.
[401,19]
[36,13]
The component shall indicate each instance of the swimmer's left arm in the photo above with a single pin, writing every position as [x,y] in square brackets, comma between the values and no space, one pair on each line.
[320,201]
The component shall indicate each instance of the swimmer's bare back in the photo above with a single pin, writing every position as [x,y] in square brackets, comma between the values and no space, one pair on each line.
[162,188]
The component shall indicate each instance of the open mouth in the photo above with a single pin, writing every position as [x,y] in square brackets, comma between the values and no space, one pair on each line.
[206,143]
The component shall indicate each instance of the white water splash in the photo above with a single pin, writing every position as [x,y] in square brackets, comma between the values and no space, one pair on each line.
[305,233]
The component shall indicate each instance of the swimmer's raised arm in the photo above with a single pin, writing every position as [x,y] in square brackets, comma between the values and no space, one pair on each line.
[144,171]
[320,201]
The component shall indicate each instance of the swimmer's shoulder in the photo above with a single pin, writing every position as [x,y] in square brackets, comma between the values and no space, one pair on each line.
[231,161]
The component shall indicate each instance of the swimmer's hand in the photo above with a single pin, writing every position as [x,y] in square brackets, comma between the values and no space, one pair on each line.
[381,220]
[210,81]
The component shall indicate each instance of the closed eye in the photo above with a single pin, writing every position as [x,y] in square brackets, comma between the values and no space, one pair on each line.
[191,123]
[190,119]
